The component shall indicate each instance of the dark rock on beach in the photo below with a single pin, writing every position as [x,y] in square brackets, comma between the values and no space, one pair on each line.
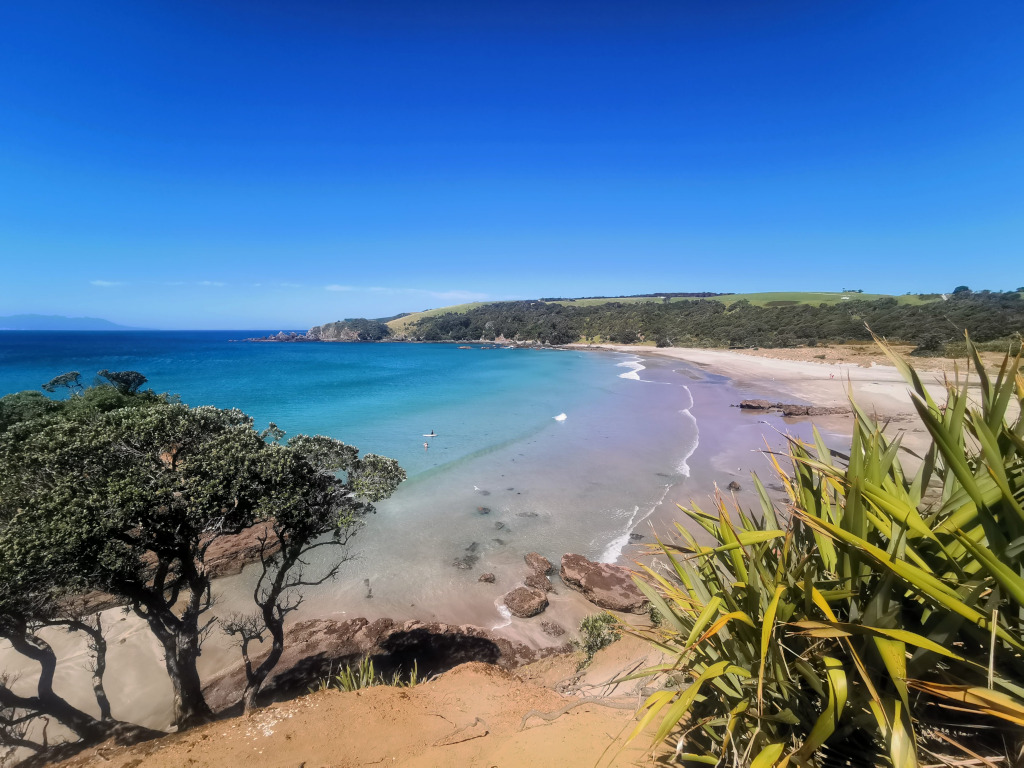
[315,648]
[538,563]
[487,578]
[525,602]
[539,581]
[734,486]
[791,409]
[606,586]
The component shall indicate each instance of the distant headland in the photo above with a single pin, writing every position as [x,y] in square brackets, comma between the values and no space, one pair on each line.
[59,323]
[933,324]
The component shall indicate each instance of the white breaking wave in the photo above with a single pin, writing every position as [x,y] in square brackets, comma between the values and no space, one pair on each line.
[614,549]
[682,467]
[506,614]
[561,417]
[635,367]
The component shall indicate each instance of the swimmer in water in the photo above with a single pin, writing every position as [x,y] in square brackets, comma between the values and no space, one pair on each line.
[426,446]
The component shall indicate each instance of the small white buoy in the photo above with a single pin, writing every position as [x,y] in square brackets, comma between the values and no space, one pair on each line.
[561,417]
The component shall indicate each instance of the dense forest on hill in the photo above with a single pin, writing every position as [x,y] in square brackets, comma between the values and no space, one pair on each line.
[988,316]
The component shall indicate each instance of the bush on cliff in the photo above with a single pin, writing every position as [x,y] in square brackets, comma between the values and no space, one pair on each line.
[124,492]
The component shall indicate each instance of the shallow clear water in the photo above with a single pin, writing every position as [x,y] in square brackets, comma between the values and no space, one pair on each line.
[502,476]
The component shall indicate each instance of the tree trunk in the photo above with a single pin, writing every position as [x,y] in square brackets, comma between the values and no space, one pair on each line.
[190,707]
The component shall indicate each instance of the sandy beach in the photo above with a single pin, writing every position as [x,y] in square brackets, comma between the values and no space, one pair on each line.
[797,376]
[728,452]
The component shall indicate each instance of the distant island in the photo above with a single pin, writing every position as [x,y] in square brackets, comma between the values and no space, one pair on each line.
[59,323]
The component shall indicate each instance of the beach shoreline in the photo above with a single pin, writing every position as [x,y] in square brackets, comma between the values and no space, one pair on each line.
[731,445]
[877,387]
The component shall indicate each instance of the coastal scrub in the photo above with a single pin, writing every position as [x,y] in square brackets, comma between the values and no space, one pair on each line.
[877,618]
[124,492]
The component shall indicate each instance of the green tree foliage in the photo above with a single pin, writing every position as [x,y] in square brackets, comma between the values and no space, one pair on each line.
[357,329]
[71,380]
[125,382]
[881,609]
[987,316]
[124,492]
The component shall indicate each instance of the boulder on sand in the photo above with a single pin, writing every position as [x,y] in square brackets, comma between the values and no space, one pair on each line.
[538,563]
[606,586]
[539,581]
[525,602]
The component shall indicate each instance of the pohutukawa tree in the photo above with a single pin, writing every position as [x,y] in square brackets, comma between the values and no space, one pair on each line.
[122,491]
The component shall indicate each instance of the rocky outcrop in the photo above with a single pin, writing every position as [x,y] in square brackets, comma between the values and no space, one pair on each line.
[525,602]
[606,586]
[791,409]
[332,332]
[539,581]
[226,555]
[355,329]
[538,564]
[282,336]
[316,648]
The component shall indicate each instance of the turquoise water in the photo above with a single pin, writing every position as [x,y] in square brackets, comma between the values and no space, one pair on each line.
[381,398]
[502,476]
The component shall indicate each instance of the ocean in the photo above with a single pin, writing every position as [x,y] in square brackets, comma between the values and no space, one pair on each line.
[500,478]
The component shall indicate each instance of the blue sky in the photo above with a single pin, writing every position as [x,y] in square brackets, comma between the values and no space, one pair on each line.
[259,164]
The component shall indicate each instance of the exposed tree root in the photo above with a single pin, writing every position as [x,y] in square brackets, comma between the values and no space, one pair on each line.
[550,716]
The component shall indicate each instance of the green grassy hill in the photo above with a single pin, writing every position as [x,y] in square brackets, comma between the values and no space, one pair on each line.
[399,324]
[778,299]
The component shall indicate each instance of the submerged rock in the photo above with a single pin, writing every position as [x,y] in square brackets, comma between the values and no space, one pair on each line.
[465,563]
[487,577]
[606,586]
[551,629]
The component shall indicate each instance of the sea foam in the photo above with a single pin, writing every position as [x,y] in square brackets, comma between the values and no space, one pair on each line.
[635,367]
[506,614]
[614,549]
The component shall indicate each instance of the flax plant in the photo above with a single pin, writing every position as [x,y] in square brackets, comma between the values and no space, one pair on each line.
[878,618]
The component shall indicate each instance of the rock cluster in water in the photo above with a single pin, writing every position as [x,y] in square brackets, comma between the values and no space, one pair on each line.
[531,598]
